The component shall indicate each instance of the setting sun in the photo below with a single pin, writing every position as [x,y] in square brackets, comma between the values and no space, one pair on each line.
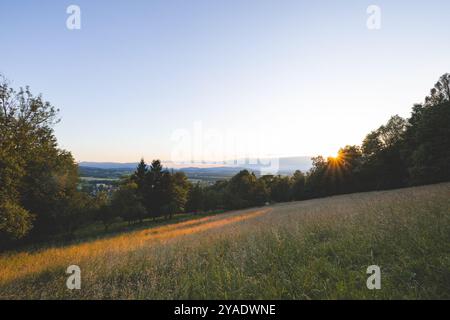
[335,158]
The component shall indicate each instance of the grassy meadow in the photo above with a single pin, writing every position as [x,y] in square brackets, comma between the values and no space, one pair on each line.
[315,249]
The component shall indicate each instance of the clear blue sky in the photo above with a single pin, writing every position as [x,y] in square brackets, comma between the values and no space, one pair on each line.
[308,76]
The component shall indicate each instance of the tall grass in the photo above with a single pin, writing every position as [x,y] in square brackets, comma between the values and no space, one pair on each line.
[316,249]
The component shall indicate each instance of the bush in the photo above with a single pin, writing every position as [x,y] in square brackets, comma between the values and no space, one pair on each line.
[15,221]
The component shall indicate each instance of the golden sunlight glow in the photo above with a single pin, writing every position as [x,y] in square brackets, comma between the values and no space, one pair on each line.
[335,158]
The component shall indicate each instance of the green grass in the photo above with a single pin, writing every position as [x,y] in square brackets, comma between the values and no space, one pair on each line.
[316,249]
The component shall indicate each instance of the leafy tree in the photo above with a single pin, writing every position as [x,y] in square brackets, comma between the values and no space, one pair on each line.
[347,166]
[280,189]
[179,190]
[75,212]
[440,93]
[314,186]
[427,144]
[35,175]
[15,222]
[49,191]
[174,189]
[214,196]
[298,185]
[103,210]
[384,166]
[196,199]
[393,132]
[125,203]
[260,193]
[240,190]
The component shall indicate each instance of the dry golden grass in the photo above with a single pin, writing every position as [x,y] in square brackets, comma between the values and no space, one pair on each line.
[20,265]
[316,249]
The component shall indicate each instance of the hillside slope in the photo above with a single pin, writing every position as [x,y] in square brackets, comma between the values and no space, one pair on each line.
[316,249]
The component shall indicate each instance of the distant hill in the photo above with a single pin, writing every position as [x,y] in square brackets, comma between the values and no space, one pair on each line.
[283,165]
[108,165]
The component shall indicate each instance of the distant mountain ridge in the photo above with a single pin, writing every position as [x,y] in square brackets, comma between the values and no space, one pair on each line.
[108,165]
[283,165]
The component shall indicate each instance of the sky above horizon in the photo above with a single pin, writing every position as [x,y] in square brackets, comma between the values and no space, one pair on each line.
[216,79]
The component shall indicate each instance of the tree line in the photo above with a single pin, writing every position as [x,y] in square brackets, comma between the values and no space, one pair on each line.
[38,180]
